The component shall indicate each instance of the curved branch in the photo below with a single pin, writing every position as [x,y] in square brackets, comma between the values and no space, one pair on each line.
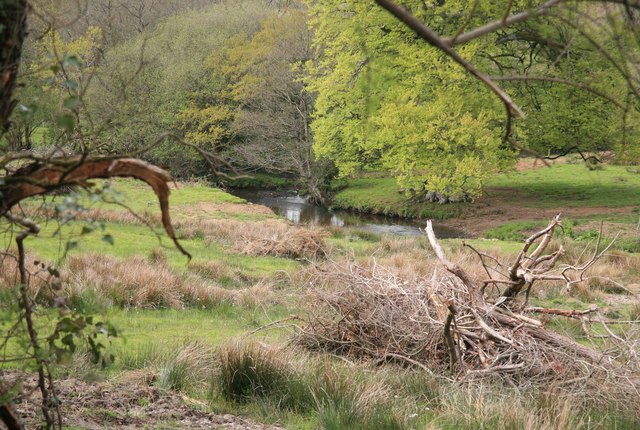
[451,267]
[578,85]
[543,9]
[436,41]
[37,178]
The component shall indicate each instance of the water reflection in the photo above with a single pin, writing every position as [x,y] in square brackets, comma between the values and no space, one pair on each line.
[298,210]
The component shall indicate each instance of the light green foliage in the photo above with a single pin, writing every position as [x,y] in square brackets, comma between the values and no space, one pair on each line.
[57,72]
[386,98]
[208,127]
[389,100]
[562,118]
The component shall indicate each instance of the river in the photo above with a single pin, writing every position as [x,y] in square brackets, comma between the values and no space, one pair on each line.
[298,210]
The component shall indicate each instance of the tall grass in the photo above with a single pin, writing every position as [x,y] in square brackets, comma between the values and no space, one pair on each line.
[249,372]
[189,368]
[95,282]
[351,401]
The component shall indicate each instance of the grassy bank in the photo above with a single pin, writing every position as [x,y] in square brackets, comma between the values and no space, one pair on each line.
[559,186]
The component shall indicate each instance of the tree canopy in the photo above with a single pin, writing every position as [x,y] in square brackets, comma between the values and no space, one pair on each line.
[386,99]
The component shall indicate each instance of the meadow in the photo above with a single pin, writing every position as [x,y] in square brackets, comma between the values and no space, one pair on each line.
[224,329]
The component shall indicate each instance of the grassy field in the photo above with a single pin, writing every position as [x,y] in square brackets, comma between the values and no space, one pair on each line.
[573,185]
[383,196]
[221,328]
[558,186]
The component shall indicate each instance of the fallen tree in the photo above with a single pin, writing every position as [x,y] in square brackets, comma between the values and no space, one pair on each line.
[454,324]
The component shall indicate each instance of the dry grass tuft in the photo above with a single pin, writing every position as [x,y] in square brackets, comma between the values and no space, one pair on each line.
[295,242]
[132,282]
[189,368]
[158,256]
[249,370]
[100,214]
[270,237]
[481,407]
[41,282]
[136,282]
[219,271]
[208,296]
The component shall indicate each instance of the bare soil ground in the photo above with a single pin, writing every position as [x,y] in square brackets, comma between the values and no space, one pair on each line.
[129,403]
[502,206]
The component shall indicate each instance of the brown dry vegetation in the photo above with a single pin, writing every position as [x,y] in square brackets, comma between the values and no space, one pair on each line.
[395,308]
[97,214]
[276,238]
[136,282]
[39,277]
[387,309]
[273,237]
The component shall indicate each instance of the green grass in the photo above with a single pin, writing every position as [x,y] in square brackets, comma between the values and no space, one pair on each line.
[321,392]
[514,231]
[133,239]
[152,337]
[561,185]
[139,196]
[504,246]
[572,185]
[189,199]
[383,196]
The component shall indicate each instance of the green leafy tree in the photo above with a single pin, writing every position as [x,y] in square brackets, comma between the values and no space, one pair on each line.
[570,92]
[160,80]
[387,100]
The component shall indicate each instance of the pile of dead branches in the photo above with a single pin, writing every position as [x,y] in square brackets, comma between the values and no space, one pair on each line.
[292,242]
[455,325]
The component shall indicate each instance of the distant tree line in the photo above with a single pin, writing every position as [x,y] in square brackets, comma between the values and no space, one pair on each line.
[319,88]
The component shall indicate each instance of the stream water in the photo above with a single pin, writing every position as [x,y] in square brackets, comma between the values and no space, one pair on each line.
[300,211]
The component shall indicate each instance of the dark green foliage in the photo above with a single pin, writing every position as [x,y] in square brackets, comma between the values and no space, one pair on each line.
[263,181]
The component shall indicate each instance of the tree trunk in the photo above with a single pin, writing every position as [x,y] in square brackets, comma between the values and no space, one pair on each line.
[13,23]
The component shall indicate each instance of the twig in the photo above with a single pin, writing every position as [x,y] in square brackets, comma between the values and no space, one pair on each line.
[435,40]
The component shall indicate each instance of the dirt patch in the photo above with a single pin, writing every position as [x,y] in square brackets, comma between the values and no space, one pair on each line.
[531,163]
[231,208]
[124,405]
[504,205]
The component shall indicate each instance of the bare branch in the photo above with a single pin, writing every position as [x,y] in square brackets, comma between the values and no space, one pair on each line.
[36,179]
[543,9]
[435,40]
[451,267]
[574,84]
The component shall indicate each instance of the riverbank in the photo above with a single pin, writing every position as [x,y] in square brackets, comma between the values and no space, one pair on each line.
[298,210]
[611,193]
